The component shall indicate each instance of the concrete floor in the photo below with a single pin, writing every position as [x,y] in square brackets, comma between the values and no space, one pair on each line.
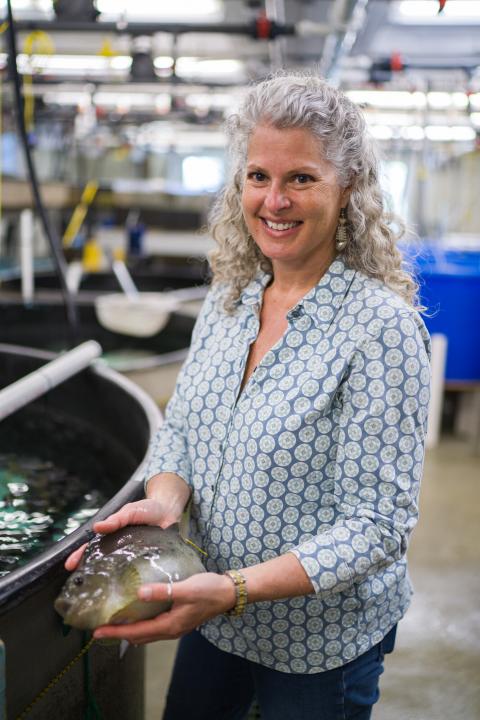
[434,673]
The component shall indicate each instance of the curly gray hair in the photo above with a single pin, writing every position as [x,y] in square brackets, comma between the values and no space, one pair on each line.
[298,100]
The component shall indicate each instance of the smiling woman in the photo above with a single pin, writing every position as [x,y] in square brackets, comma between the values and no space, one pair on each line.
[296,428]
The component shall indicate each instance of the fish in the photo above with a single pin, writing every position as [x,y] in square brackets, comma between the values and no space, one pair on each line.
[103,589]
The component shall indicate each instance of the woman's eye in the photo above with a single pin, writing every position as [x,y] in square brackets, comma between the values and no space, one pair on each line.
[256,176]
[302,178]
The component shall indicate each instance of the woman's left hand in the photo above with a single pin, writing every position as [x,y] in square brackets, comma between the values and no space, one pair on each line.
[195,600]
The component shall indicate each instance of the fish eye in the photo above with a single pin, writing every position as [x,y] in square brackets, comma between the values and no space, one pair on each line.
[78,580]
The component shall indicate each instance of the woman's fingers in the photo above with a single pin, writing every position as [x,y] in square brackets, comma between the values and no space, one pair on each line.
[195,600]
[72,561]
[143,512]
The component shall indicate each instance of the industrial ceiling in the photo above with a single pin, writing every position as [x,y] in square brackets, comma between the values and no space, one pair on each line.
[355,42]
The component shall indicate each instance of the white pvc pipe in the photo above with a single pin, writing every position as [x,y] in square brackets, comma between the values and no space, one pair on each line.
[437,367]
[26,255]
[40,381]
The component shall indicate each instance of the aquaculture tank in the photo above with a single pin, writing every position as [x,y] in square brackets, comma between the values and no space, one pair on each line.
[151,362]
[75,455]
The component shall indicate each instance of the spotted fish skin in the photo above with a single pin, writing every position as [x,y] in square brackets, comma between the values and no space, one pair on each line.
[104,587]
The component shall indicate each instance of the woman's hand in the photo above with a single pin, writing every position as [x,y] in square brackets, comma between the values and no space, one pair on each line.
[142,512]
[195,600]
[168,495]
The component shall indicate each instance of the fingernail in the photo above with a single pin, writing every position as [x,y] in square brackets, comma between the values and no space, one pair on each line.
[145,593]
[98,635]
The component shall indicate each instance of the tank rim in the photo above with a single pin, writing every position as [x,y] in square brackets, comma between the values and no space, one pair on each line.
[24,581]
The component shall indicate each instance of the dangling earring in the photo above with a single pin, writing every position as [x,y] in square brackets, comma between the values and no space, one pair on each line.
[341,236]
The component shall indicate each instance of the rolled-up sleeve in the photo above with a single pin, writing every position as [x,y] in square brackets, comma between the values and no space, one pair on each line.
[377,457]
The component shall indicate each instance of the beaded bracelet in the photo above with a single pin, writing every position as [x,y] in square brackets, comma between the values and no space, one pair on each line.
[240,592]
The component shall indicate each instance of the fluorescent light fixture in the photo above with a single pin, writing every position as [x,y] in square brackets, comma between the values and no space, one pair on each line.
[32,5]
[475,118]
[381,132]
[186,10]
[426,11]
[445,133]
[72,64]
[475,101]
[202,173]
[189,67]
[217,101]
[67,97]
[395,99]
[443,100]
[439,100]
[412,132]
[394,119]
[124,100]
[163,62]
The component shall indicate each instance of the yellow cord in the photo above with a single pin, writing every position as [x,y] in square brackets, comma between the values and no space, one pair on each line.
[78,215]
[55,680]
[195,546]
[42,42]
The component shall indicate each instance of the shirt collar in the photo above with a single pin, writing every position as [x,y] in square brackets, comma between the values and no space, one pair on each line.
[321,303]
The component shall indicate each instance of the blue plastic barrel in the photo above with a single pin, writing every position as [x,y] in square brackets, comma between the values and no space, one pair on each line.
[450,289]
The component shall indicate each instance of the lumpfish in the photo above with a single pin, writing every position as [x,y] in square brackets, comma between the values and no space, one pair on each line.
[103,588]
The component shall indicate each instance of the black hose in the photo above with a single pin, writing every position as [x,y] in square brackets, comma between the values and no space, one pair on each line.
[52,237]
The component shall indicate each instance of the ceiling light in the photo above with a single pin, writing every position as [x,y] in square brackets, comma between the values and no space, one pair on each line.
[187,10]
[395,99]
[163,62]
[71,64]
[189,67]
[474,101]
[459,11]
[381,132]
[449,133]
[413,132]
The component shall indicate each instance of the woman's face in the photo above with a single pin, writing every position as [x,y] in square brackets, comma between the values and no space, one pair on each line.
[291,199]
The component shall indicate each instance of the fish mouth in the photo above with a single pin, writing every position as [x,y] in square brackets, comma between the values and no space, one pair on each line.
[82,619]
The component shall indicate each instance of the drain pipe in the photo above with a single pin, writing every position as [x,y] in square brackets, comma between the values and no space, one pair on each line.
[53,239]
[26,256]
[39,382]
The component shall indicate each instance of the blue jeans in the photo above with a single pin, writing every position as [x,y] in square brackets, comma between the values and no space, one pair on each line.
[209,684]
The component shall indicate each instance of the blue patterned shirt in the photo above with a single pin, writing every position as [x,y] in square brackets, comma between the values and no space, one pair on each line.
[320,454]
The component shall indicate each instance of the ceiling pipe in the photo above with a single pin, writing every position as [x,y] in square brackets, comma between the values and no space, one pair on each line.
[263,27]
[346,18]
[260,28]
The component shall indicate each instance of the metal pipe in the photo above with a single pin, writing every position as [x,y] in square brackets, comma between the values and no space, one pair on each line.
[141,28]
[39,382]
[26,255]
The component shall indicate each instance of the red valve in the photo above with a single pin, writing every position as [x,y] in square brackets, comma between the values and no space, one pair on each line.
[441,4]
[396,63]
[263,27]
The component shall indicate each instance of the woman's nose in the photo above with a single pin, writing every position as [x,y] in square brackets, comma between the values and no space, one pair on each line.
[276,199]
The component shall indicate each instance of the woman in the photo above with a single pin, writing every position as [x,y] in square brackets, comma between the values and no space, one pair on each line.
[296,428]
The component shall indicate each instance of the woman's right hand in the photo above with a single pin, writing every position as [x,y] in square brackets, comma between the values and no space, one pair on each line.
[170,496]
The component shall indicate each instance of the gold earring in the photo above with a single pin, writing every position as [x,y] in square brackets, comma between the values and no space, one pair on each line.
[341,236]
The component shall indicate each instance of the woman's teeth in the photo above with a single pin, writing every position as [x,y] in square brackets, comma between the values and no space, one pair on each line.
[281,226]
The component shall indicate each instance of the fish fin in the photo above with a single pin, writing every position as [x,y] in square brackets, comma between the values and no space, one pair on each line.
[131,580]
[124,645]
